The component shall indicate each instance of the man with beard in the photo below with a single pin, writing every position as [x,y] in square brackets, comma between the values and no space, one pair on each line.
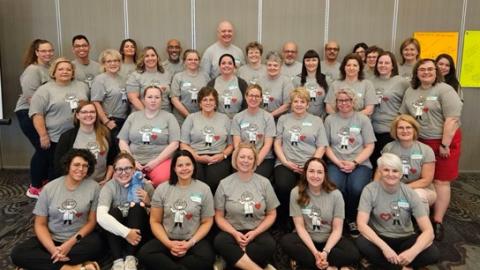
[291,67]
[330,66]
[174,63]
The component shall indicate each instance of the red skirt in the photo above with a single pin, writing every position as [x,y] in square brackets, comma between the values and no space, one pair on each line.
[446,169]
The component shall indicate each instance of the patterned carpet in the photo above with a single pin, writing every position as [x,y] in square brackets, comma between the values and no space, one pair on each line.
[459,250]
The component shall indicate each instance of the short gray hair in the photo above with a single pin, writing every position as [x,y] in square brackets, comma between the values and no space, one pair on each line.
[274,56]
[390,160]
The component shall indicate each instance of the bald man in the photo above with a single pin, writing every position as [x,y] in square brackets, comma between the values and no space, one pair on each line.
[330,66]
[291,67]
[225,35]
[174,63]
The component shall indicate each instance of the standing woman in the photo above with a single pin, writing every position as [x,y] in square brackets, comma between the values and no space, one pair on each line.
[318,211]
[109,94]
[181,217]
[385,213]
[149,73]
[230,88]
[65,220]
[206,134]
[371,56]
[128,50]
[88,133]
[151,136]
[314,81]
[410,52]
[437,108]
[276,86]
[254,69]
[351,142]
[352,77]
[447,68]
[51,110]
[360,49]
[125,225]
[300,136]
[36,63]
[245,208]
[389,88]
[186,85]
[256,126]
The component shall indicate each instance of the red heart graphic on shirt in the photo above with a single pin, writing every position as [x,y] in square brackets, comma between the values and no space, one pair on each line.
[189,216]
[385,216]
[319,93]
[257,205]
[351,140]
[413,170]
[234,99]
[78,215]
[102,153]
[260,136]
[154,136]
[425,109]
[271,98]
[384,98]
[302,138]
[216,137]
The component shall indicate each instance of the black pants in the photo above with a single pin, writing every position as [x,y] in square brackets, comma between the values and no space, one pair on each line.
[285,181]
[375,255]
[212,174]
[260,250]
[137,218]
[265,168]
[155,255]
[31,254]
[344,253]
[382,140]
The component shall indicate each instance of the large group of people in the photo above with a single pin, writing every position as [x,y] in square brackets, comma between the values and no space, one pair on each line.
[187,158]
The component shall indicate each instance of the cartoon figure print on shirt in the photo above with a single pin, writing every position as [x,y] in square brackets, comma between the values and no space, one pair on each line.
[252,131]
[209,134]
[124,95]
[94,148]
[316,218]
[72,101]
[419,106]
[68,210]
[267,97]
[295,135]
[180,212]
[380,97]
[344,134]
[395,212]
[149,133]
[89,79]
[405,166]
[314,91]
[248,202]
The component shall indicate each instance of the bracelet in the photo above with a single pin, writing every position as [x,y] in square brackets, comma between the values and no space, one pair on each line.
[326,251]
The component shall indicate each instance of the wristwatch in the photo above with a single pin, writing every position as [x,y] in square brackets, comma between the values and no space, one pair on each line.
[444,146]
[78,237]
[355,162]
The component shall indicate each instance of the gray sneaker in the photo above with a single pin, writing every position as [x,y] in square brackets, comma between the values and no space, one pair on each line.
[118,265]
[130,263]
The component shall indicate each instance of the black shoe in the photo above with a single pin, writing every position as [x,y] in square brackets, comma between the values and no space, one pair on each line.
[354,233]
[438,230]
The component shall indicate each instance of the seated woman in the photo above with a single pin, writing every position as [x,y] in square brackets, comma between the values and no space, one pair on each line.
[256,126]
[245,207]
[388,239]
[181,216]
[151,136]
[121,212]
[65,220]
[351,139]
[89,134]
[206,134]
[418,159]
[317,209]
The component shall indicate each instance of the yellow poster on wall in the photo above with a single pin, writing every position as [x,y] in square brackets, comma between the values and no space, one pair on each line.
[434,43]
[470,72]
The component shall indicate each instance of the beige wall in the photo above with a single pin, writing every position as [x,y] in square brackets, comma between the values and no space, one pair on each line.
[153,22]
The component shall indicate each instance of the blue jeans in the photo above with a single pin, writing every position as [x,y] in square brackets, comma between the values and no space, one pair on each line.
[351,186]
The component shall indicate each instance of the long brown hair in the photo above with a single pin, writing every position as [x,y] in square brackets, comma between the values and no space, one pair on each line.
[327,185]
[30,56]
[102,133]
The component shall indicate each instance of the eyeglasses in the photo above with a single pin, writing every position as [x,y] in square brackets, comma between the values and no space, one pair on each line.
[430,69]
[123,170]
[80,165]
[344,100]
[87,112]
[289,51]
[254,96]
[80,46]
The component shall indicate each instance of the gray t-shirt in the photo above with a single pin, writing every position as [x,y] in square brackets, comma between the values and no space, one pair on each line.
[229,96]
[245,203]
[86,73]
[173,68]
[251,75]
[430,107]
[300,137]
[207,135]
[389,94]
[347,136]
[67,211]
[184,208]
[212,54]
[114,195]
[57,103]
[406,71]
[32,77]
[319,213]
[89,141]
[276,91]
[254,128]
[316,93]
[112,93]
[186,87]
[149,137]
[126,70]
[332,72]
[391,214]
[364,90]
[292,71]
[137,82]
[412,158]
